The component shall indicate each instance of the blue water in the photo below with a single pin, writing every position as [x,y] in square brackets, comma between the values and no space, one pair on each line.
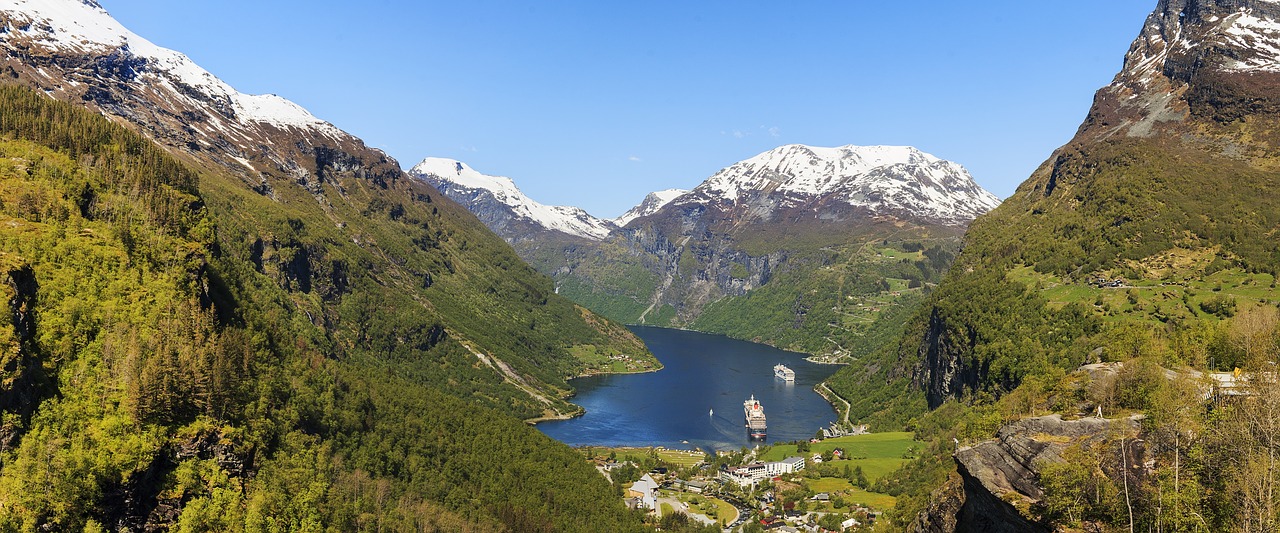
[702,372]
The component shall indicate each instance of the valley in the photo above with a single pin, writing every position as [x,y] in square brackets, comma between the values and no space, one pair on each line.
[225,313]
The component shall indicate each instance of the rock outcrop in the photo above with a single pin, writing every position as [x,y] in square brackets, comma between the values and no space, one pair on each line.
[1000,478]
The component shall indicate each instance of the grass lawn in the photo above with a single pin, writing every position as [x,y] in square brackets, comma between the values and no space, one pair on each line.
[877,453]
[830,484]
[680,458]
[852,495]
[873,500]
[724,512]
[665,509]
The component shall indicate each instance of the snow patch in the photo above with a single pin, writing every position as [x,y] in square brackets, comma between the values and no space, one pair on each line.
[85,28]
[653,202]
[880,178]
[570,220]
[1260,37]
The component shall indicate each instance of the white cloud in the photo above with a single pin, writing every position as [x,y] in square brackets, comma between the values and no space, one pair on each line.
[774,132]
[634,158]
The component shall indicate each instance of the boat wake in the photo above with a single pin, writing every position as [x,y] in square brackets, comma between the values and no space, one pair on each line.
[728,428]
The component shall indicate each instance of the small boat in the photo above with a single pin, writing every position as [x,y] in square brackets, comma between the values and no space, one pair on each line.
[711,412]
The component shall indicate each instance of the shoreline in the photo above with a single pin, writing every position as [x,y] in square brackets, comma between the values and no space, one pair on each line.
[821,386]
[844,414]
[646,371]
[581,411]
[558,416]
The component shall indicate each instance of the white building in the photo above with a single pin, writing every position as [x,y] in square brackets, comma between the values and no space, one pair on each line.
[644,490]
[791,464]
[750,474]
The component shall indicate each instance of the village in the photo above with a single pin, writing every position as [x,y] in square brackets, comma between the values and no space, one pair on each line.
[826,484]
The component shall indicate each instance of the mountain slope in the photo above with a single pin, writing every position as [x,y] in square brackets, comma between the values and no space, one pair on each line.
[1171,180]
[287,332]
[502,207]
[776,212]
[1140,255]
[801,247]
[896,181]
[304,167]
[652,202]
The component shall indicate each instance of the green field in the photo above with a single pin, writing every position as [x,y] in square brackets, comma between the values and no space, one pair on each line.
[598,359]
[830,484]
[873,500]
[679,458]
[1182,296]
[877,453]
[724,513]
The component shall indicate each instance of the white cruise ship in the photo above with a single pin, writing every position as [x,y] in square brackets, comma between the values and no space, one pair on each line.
[781,371]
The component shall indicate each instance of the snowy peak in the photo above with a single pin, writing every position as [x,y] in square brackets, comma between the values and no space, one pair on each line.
[650,205]
[471,188]
[884,180]
[1217,59]
[1229,35]
[83,28]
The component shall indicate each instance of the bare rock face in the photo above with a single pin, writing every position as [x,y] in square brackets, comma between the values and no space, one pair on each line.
[943,511]
[1195,59]
[1000,477]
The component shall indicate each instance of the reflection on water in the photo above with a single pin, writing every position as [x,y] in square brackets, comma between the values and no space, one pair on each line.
[703,374]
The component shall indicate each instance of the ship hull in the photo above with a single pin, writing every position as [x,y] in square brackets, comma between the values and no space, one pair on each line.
[753,415]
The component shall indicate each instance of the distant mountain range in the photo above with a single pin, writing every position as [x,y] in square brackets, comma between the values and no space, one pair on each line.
[503,208]
[652,202]
[834,183]
[843,183]
[668,258]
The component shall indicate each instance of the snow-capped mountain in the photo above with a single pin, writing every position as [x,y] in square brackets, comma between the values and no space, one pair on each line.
[84,27]
[1217,58]
[898,181]
[502,206]
[74,50]
[650,205]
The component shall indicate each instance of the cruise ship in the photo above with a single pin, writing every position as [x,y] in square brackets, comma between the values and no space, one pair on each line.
[754,414]
[782,372]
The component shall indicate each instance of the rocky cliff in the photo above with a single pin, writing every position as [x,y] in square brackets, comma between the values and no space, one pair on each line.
[999,480]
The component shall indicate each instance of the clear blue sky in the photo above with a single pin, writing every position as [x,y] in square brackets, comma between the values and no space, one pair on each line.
[596,103]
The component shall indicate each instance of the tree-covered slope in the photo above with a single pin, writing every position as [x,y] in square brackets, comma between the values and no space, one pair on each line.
[1161,212]
[1146,248]
[180,351]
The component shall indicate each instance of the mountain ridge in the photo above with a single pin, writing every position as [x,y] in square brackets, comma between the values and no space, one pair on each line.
[502,206]
[804,213]
[298,323]
[1137,258]
[883,180]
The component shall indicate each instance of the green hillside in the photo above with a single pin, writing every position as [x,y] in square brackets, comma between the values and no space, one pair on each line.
[181,351]
[1146,247]
[833,302]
